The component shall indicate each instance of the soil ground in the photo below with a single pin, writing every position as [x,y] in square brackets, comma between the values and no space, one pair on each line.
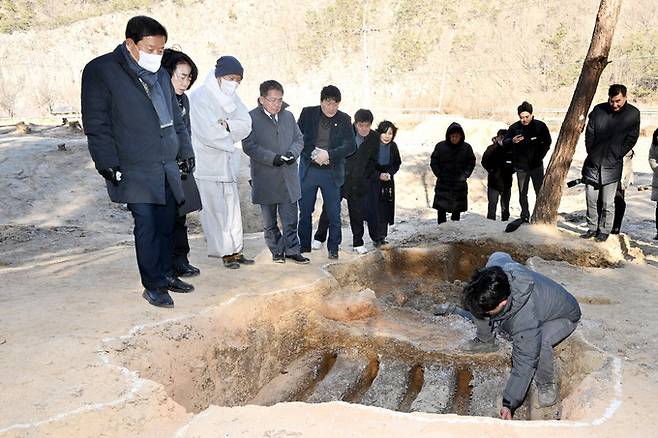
[71,286]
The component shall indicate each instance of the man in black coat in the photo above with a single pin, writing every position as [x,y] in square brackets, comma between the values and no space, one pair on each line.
[136,134]
[530,140]
[452,163]
[358,169]
[612,131]
[328,140]
[497,160]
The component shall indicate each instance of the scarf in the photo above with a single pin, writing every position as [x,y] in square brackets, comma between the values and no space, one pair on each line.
[155,93]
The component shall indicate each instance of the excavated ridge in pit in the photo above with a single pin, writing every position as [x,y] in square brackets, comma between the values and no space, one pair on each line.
[336,341]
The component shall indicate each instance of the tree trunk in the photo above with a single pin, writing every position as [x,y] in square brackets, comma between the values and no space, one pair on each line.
[548,199]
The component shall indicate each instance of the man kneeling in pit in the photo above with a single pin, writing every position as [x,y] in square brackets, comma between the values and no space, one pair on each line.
[535,311]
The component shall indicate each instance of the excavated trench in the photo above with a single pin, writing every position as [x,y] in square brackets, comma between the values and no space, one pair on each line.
[368,337]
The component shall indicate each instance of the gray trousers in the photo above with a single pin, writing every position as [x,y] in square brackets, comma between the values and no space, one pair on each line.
[552,333]
[605,197]
[523,179]
[281,243]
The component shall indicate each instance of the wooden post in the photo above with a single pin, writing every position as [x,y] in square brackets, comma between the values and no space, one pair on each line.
[548,198]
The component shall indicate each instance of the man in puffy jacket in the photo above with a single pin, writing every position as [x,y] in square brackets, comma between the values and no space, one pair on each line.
[612,131]
[530,140]
[534,310]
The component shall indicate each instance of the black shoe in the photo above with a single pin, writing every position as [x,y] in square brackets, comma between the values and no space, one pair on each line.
[230,262]
[278,258]
[240,258]
[333,255]
[614,231]
[305,249]
[589,234]
[655,237]
[602,237]
[175,284]
[187,271]
[300,259]
[159,298]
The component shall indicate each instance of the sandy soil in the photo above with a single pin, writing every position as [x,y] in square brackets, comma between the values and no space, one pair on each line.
[72,297]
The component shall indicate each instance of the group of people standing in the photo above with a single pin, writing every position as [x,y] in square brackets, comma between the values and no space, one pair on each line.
[165,155]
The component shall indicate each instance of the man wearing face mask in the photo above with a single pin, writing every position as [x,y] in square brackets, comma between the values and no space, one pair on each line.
[219,121]
[136,137]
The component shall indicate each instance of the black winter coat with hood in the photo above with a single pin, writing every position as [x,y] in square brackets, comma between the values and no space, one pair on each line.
[452,164]
[497,161]
[609,136]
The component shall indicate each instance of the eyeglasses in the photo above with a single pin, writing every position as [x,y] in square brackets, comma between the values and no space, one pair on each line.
[273,99]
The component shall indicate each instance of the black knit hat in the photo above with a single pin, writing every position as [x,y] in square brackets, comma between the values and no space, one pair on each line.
[228,65]
[525,106]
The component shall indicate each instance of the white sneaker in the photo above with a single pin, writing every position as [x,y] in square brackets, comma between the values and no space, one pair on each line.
[316,244]
[361,249]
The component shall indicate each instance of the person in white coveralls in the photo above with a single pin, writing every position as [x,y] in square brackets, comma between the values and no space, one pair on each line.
[219,121]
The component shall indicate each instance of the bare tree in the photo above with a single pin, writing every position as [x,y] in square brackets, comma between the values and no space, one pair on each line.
[548,199]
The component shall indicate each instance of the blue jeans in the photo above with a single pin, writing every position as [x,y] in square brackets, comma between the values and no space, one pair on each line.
[154,240]
[322,179]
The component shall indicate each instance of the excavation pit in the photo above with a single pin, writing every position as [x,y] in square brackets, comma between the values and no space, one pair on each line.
[368,337]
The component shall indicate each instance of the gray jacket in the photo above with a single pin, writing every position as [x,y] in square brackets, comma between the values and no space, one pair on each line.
[270,184]
[534,299]
[653,162]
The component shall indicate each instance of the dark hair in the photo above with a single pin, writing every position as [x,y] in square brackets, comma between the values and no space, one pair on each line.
[142,26]
[616,89]
[655,137]
[363,115]
[501,132]
[487,288]
[525,106]
[171,58]
[330,92]
[270,85]
[383,127]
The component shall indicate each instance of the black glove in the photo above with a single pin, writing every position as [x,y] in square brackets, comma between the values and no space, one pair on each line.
[187,166]
[278,161]
[291,158]
[112,174]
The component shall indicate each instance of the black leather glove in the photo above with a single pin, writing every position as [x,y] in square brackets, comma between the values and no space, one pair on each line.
[291,158]
[112,174]
[187,166]
[278,161]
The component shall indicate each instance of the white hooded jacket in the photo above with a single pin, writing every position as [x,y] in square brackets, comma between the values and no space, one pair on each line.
[217,156]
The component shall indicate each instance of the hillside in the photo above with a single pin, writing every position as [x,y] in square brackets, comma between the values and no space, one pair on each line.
[473,57]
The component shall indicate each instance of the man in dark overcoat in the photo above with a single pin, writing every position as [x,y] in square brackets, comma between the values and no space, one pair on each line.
[136,134]
[612,131]
[273,147]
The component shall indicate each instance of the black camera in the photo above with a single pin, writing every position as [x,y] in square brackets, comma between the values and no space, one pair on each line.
[574,182]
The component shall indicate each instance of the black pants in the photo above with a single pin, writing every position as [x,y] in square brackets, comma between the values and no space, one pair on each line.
[181,244]
[523,178]
[441,215]
[356,210]
[492,198]
[154,240]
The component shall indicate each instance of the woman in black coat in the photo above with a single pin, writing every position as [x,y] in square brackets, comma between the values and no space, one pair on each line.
[183,73]
[380,202]
[452,162]
[497,161]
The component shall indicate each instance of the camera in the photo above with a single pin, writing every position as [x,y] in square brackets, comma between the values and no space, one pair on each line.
[574,182]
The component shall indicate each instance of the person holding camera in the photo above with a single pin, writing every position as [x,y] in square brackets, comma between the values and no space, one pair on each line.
[530,141]
[612,131]
[497,161]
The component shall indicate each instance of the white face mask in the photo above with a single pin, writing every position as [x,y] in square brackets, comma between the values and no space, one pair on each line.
[149,61]
[228,87]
